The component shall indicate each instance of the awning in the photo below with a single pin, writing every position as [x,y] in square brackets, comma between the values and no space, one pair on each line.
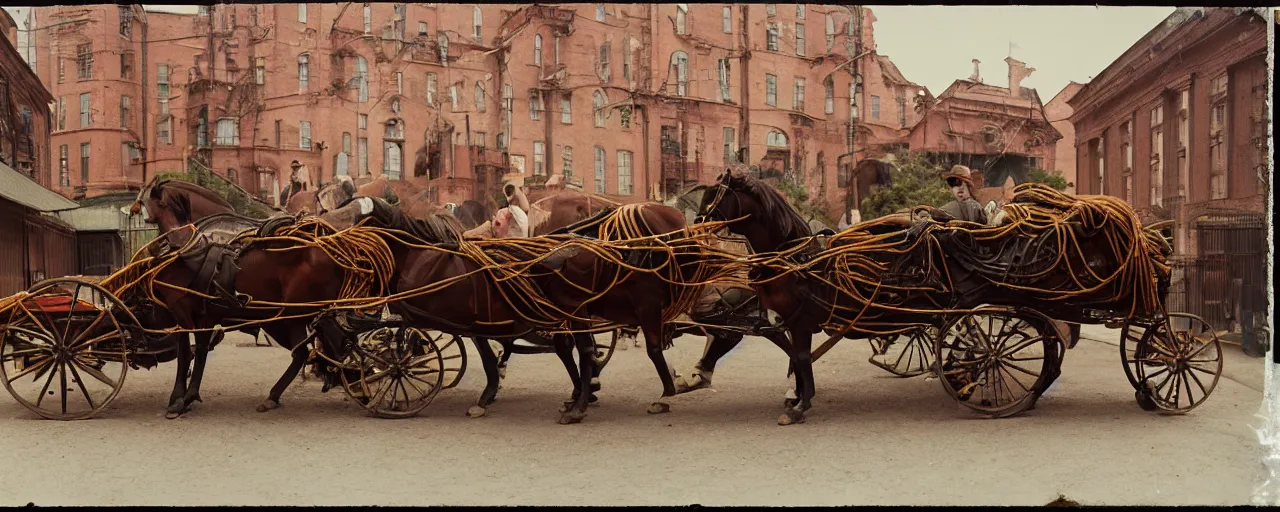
[20,189]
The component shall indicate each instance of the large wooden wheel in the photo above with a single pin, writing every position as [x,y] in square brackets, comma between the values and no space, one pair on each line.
[400,371]
[996,361]
[1173,364]
[454,356]
[64,349]
[604,350]
[905,355]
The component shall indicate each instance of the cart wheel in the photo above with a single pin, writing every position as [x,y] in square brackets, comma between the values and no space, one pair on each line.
[604,351]
[905,358]
[64,349]
[454,355]
[997,361]
[400,372]
[1168,360]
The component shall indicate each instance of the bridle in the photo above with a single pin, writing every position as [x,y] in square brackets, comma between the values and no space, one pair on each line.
[707,213]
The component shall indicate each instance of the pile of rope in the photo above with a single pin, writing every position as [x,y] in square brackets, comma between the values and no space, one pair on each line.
[889,269]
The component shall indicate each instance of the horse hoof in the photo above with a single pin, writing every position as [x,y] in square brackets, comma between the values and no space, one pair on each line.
[659,408]
[791,417]
[570,418]
[476,411]
[171,415]
[268,405]
[502,372]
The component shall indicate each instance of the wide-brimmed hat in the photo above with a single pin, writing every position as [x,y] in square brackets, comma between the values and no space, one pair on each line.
[295,163]
[961,173]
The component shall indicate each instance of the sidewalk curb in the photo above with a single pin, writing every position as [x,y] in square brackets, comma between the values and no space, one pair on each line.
[1224,373]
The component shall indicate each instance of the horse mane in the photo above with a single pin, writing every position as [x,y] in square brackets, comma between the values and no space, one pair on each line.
[776,208]
[188,187]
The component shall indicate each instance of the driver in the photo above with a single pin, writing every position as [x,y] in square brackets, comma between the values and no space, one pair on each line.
[964,207]
[512,221]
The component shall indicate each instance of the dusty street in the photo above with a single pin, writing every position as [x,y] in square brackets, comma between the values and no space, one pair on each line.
[871,439]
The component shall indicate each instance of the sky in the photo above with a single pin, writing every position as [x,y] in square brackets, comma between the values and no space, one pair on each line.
[934,45]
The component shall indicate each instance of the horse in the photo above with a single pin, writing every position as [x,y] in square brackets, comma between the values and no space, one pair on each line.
[565,270]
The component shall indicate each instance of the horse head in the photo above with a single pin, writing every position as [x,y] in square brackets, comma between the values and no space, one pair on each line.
[753,209]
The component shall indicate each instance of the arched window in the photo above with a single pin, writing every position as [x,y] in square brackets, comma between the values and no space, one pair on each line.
[362,78]
[537,49]
[598,102]
[831,31]
[477,23]
[442,41]
[776,139]
[304,74]
[680,63]
[535,105]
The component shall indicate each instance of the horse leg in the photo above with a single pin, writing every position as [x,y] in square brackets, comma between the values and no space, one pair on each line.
[721,343]
[586,369]
[654,336]
[564,345]
[802,361]
[298,360]
[506,355]
[176,406]
[204,340]
[628,334]
[489,361]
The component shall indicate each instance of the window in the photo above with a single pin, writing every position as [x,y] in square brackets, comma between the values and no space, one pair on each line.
[363,123]
[771,9]
[362,78]
[304,75]
[62,113]
[453,98]
[260,70]
[480,103]
[598,102]
[566,109]
[422,28]
[125,108]
[84,163]
[1184,150]
[442,44]
[624,173]
[346,142]
[902,111]
[599,168]
[1218,164]
[501,140]
[304,134]
[480,140]
[800,11]
[391,160]
[399,83]
[508,101]
[126,65]
[555,50]
[368,18]
[86,115]
[1100,156]
[302,13]
[163,131]
[770,90]
[797,95]
[829,96]
[126,19]
[722,69]
[394,130]
[771,39]
[604,62]
[726,20]
[600,12]
[84,61]
[1157,155]
[62,69]
[228,133]
[680,65]
[431,89]
[362,151]
[626,58]
[539,158]
[64,167]
[162,88]
[831,32]
[875,107]
[800,44]
[477,24]
[202,129]
[535,105]
[776,139]
[730,142]
[853,101]
[279,129]
[566,162]
[682,18]
[537,49]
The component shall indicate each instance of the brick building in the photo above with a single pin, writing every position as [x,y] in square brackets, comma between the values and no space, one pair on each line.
[1177,125]
[1058,112]
[627,99]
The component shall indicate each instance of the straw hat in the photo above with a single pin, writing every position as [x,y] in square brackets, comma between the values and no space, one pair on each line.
[961,173]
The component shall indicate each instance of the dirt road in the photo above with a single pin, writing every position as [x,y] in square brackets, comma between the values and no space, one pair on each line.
[871,439]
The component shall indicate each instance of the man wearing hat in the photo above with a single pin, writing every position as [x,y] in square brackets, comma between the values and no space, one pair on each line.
[965,207]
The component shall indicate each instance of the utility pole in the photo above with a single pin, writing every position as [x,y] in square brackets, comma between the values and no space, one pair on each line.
[853,46]
[744,111]
[145,143]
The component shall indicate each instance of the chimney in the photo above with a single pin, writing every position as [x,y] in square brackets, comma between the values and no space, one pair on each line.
[1018,70]
[975,77]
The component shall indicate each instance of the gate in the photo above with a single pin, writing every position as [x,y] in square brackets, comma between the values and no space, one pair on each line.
[1226,283]
[136,233]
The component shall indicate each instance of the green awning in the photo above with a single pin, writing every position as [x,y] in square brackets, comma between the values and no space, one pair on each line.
[20,189]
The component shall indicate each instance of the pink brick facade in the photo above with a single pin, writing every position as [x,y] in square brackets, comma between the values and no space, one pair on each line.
[663,76]
[1058,113]
[24,105]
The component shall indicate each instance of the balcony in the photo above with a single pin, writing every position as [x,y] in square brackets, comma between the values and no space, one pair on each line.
[560,20]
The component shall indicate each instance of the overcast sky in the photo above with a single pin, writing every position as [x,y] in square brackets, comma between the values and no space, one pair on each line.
[934,45]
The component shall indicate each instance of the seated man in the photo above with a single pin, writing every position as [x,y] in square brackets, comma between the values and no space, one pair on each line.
[512,221]
[964,207]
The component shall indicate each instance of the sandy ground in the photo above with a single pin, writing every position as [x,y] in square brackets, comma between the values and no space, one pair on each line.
[871,439]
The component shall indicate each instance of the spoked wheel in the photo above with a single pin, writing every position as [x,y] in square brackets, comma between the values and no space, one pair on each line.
[400,372]
[904,355]
[997,361]
[604,351]
[454,355]
[1174,364]
[64,350]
